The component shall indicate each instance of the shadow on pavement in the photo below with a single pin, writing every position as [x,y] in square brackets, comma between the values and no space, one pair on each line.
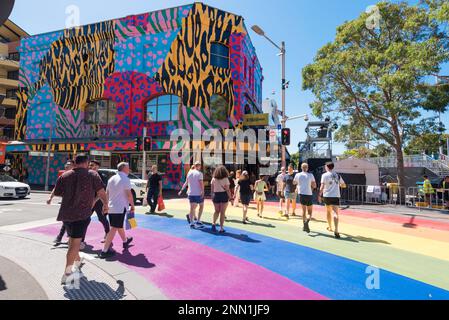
[2,284]
[240,237]
[349,238]
[93,290]
[127,258]
[257,224]
[162,215]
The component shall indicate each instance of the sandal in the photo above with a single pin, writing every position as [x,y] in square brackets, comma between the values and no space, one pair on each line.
[222,231]
[337,235]
[329,229]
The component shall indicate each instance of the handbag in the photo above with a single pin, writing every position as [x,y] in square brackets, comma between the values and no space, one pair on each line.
[160,204]
[131,222]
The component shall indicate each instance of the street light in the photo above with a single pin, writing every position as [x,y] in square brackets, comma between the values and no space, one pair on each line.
[305,116]
[258,30]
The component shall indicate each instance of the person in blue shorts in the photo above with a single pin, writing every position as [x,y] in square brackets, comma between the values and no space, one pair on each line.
[195,183]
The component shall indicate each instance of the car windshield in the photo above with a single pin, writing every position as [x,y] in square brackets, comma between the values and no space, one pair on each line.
[133,177]
[4,178]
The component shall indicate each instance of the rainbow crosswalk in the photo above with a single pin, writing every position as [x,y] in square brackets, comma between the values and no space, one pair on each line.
[273,259]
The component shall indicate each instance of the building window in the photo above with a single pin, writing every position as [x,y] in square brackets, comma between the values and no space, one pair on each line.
[163,108]
[13,75]
[101,112]
[219,55]
[11,94]
[218,108]
[14,56]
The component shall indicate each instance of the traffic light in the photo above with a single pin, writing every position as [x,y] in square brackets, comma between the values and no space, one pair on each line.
[147,144]
[138,143]
[286,137]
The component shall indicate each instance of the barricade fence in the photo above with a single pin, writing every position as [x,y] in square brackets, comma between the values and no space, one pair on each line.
[395,195]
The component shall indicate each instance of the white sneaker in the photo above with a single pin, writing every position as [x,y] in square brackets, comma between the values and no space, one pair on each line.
[82,245]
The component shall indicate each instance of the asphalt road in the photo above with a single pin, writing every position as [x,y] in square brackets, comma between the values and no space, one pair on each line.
[33,208]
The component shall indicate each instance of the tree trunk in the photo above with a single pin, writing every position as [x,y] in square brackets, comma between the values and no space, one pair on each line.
[400,166]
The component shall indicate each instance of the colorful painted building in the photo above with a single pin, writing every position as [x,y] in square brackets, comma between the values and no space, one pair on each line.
[93,89]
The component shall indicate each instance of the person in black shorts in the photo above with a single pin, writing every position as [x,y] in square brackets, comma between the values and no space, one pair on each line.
[98,207]
[246,190]
[331,182]
[78,188]
[154,189]
[221,196]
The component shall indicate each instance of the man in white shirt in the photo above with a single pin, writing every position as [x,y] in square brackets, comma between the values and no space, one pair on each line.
[331,183]
[306,184]
[120,198]
[195,183]
[280,190]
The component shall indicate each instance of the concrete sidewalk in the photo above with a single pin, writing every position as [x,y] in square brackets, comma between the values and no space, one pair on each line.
[31,269]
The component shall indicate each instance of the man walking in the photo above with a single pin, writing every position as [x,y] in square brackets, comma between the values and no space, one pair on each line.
[78,188]
[154,189]
[331,183]
[445,187]
[280,190]
[120,198]
[195,182]
[306,184]
[98,206]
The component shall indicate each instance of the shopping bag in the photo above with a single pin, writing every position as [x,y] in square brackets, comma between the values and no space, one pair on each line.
[131,222]
[145,202]
[160,204]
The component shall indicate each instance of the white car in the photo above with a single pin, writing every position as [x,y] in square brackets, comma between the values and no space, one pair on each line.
[139,186]
[11,188]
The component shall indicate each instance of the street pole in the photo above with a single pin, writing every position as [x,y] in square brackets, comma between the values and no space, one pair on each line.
[47,174]
[284,116]
[144,160]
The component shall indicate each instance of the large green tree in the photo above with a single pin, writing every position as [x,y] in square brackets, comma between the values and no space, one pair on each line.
[376,78]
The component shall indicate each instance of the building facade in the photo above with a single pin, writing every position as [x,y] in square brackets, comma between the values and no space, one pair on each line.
[10,35]
[94,89]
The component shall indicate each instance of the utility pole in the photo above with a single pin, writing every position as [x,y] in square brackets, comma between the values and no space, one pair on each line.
[47,174]
[144,160]
[284,116]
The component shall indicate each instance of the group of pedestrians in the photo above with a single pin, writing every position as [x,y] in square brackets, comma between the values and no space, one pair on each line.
[83,192]
[299,188]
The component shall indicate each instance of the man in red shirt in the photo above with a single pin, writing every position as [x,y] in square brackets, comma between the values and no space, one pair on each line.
[78,189]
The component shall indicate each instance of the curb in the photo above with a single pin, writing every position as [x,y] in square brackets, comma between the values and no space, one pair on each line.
[136,286]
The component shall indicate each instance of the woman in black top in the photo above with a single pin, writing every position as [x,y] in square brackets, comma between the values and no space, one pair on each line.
[245,193]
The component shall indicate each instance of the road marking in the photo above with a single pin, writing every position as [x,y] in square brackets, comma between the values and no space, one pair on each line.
[28,225]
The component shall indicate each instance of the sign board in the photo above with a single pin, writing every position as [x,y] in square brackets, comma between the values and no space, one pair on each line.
[255,120]
[40,154]
[279,126]
[7,169]
[100,153]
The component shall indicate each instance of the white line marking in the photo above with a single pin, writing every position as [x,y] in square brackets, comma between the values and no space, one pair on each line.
[29,225]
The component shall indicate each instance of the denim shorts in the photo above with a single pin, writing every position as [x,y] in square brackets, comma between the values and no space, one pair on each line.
[290,195]
[196,199]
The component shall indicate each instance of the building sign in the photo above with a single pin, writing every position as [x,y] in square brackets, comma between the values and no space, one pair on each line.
[100,153]
[2,153]
[40,154]
[255,120]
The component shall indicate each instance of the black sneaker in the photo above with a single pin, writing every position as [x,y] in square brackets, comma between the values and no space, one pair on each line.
[127,243]
[306,227]
[188,219]
[105,255]
[337,235]
[57,242]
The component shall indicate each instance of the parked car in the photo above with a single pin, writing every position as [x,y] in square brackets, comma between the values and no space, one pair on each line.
[11,188]
[138,185]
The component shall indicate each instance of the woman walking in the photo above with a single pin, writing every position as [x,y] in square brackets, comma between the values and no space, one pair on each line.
[236,201]
[221,195]
[260,197]
[246,189]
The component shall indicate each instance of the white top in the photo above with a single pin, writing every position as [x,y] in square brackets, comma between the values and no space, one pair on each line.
[304,181]
[220,185]
[331,182]
[280,181]
[194,179]
[118,197]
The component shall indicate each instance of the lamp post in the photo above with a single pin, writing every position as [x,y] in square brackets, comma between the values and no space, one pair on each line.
[260,32]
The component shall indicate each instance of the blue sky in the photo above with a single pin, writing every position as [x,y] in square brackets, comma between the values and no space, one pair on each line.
[305,26]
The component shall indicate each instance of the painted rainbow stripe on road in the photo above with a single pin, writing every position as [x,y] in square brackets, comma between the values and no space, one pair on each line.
[198,265]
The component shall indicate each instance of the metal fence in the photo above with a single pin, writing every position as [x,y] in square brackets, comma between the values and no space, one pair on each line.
[398,196]
[362,194]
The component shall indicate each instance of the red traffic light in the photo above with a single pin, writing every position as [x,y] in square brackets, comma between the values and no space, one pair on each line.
[147,144]
[286,137]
